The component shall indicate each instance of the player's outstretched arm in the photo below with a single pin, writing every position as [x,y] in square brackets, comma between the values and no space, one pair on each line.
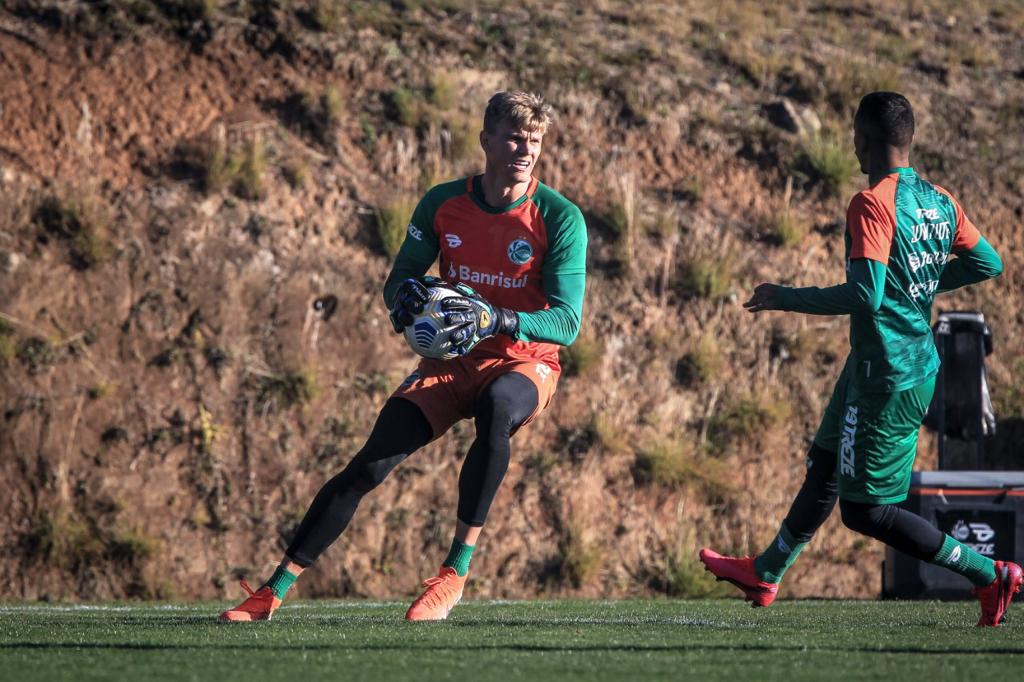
[971,266]
[861,293]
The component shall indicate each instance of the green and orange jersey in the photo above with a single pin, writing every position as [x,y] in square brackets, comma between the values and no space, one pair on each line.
[911,227]
[529,256]
[900,234]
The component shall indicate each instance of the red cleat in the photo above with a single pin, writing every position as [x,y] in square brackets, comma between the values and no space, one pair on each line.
[995,598]
[442,594]
[741,573]
[260,605]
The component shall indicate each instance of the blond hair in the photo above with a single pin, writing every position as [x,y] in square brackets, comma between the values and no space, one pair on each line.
[524,110]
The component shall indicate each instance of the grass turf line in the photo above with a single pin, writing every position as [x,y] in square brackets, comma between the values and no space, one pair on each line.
[535,640]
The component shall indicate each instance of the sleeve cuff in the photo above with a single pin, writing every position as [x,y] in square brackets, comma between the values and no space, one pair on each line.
[785,297]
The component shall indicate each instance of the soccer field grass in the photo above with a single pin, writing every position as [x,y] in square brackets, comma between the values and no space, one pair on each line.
[535,640]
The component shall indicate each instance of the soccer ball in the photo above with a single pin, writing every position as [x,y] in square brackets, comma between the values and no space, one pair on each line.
[427,335]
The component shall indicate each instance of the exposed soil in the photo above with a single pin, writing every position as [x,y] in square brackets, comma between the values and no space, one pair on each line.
[172,399]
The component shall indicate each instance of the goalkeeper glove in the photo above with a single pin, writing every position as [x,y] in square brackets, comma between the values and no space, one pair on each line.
[410,298]
[477,319]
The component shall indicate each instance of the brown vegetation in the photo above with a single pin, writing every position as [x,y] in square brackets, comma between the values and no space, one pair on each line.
[182,181]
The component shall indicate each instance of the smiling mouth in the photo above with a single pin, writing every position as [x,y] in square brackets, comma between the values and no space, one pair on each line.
[523,164]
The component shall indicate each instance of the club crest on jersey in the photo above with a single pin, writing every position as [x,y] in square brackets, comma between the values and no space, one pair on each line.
[520,252]
[454,241]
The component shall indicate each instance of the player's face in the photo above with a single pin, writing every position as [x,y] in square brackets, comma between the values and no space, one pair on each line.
[511,152]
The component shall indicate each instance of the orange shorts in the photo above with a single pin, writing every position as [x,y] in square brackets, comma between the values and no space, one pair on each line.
[447,390]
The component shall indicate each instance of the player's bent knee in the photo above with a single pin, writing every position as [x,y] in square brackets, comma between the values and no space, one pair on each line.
[368,475]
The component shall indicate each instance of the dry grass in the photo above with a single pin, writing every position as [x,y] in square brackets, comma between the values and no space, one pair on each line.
[579,559]
[700,365]
[745,419]
[677,462]
[582,358]
[8,343]
[830,160]
[288,389]
[393,222]
[708,275]
[676,571]
[80,219]
[624,219]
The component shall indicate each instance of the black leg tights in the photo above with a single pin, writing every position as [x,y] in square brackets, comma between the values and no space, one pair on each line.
[505,404]
[817,496]
[401,429]
[898,528]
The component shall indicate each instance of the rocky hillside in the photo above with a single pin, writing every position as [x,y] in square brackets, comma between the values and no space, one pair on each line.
[182,181]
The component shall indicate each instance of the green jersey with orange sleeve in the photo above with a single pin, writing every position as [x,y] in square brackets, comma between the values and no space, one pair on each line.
[911,227]
[529,256]
[900,233]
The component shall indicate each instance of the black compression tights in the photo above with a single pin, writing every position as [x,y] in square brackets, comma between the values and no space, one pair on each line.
[898,528]
[401,429]
[504,405]
[817,496]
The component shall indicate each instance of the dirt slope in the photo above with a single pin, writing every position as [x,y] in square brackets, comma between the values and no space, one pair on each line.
[172,400]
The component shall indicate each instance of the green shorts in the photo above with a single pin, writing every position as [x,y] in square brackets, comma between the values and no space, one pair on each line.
[875,437]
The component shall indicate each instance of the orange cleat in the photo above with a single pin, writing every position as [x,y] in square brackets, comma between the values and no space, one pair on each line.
[260,605]
[741,573]
[442,594]
[995,598]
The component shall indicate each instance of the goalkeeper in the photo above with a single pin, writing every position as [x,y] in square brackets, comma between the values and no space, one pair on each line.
[900,234]
[521,247]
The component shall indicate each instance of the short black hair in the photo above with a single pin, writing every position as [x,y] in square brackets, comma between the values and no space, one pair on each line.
[887,117]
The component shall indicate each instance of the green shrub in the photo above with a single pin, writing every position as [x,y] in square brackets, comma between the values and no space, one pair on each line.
[786,228]
[251,167]
[8,342]
[63,540]
[81,223]
[289,389]
[746,418]
[443,91]
[845,81]
[220,168]
[706,276]
[37,354]
[582,357]
[607,435]
[407,106]
[368,141]
[327,15]
[677,462]
[831,163]
[623,217]
[131,547]
[393,222]
[579,560]
[679,574]
[700,365]
[296,173]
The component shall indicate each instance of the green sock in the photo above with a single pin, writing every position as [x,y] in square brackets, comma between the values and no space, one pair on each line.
[459,556]
[281,581]
[961,559]
[771,564]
